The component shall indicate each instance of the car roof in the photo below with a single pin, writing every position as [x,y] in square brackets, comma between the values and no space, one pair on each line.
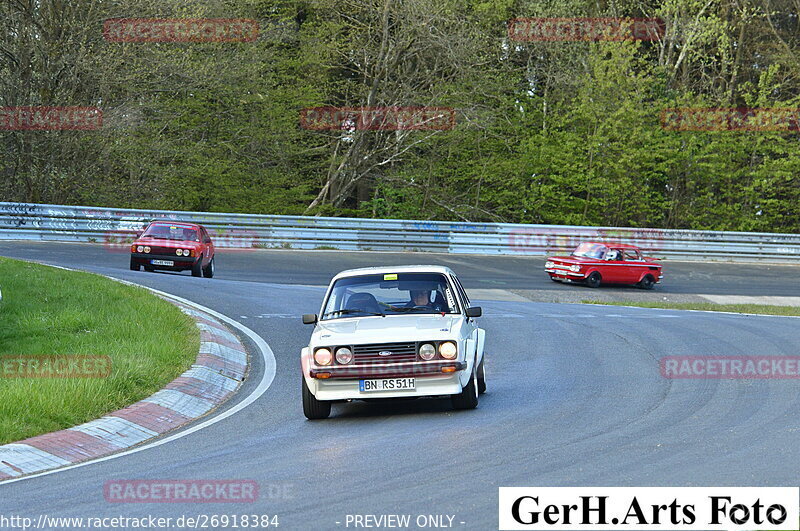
[614,245]
[394,269]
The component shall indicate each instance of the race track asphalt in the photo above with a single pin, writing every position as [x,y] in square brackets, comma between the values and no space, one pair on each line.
[575,398]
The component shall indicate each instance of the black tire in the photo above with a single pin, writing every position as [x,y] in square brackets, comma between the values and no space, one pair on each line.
[593,280]
[208,271]
[468,397]
[314,409]
[482,377]
[647,282]
[197,267]
[135,266]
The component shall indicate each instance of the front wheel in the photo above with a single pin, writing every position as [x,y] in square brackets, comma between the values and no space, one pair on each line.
[593,280]
[314,409]
[647,282]
[468,397]
[208,271]
[482,377]
[197,267]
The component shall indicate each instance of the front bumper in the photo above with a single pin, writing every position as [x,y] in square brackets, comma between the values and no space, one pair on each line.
[395,370]
[348,389]
[183,262]
[565,274]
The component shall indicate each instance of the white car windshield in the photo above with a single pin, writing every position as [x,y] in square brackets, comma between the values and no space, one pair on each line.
[390,294]
[590,250]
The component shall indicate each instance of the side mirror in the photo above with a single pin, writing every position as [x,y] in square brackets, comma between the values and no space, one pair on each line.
[474,311]
[310,318]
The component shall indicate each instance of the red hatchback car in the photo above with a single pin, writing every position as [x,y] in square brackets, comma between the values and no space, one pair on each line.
[174,246]
[595,263]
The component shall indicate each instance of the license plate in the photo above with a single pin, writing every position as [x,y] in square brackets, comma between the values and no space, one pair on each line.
[162,262]
[386,384]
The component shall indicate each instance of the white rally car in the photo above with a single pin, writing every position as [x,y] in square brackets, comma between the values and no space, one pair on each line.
[386,332]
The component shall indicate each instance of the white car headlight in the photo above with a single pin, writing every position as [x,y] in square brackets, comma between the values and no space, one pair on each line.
[186,252]
[575,268]
[323,356]
[448,350]
[343,355]
[427,351]
[179,251]
[139,249]
[548,265]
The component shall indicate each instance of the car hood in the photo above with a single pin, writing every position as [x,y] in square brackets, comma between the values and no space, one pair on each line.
[572,259]
[174,244]
[389,329]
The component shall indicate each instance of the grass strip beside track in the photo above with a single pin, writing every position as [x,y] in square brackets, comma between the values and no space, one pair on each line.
[48,311]
[760,309]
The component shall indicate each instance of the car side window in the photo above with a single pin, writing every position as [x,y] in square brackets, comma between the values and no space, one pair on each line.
[461,291]
[631,254]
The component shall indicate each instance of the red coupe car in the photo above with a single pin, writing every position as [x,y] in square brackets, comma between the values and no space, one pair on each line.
[174,246]
[595,263]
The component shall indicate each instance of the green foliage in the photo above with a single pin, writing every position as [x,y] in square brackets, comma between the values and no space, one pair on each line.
[547,132]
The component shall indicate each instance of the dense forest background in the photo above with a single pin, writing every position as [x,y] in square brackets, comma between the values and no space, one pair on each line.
[546,132]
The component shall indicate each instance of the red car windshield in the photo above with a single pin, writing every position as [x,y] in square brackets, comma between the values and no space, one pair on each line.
[171,232]
[590,250]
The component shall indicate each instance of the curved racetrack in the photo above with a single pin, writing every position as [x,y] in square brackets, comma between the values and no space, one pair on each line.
[575,398]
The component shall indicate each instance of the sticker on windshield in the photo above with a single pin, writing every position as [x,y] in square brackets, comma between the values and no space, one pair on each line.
[390,276]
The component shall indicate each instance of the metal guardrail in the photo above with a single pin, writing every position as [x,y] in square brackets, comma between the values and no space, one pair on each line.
[116,228]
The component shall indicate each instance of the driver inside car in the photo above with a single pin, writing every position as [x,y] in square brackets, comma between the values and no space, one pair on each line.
[423,298]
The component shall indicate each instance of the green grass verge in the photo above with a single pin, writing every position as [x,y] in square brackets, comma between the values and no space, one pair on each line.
[762,309]
[52,311]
